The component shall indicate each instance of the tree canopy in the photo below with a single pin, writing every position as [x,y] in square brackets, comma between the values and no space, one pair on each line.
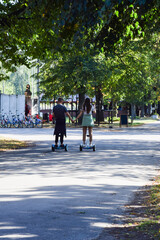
[70,37]
[39,29]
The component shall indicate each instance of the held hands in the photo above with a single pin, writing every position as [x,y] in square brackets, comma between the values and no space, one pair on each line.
[73,121]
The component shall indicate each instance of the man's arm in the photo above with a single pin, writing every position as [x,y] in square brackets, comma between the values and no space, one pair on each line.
[67,113]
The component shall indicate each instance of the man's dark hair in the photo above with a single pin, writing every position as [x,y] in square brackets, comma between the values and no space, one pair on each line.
[60,99]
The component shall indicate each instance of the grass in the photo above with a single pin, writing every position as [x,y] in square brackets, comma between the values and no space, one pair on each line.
[136,122]
[105,124]
[150,224]
[142,216]
[10,144]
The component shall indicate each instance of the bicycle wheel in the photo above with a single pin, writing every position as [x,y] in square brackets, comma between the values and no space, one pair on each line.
[5,125]
[26,124]
[20,125]
[9,125]
[39,125]
[31,125]
[16,125]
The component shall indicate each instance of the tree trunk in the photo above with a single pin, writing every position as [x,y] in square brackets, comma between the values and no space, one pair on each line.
[133,112]
[81,101]
[115,111]
[99,105]
[158,110]
[142,110]
[149,109]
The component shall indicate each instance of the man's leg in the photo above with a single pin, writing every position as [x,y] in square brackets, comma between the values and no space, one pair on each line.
[56,139]
[61,139]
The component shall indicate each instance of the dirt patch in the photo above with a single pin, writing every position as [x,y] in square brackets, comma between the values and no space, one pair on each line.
[11,144]
[140,220]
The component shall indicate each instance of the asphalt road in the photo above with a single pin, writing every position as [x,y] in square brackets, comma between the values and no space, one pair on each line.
[73,195]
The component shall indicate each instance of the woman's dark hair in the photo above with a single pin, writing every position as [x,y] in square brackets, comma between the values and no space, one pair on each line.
[87,104]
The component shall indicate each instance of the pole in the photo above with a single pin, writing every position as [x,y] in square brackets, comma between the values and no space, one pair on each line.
[0,102]
[38,100]
[98,110]
[32,70]
[3,86]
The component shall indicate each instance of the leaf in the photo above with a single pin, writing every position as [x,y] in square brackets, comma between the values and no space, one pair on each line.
[116,13]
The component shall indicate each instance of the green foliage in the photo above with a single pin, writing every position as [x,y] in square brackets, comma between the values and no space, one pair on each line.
[39,29]
[134,71]
[74,74]
[129,74]
[84,44]
[17,81]
[3,73]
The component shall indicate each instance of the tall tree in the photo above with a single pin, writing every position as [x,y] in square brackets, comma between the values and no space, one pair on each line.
[134,72]
[41,28]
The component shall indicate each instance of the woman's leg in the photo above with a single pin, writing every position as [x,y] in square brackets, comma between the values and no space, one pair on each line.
[90,134]
[84,134]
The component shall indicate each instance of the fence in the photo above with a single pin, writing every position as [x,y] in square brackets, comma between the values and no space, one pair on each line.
[12,105]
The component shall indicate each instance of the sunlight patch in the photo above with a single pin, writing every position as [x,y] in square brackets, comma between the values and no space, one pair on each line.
[17,236]
[9,228]
[106,225]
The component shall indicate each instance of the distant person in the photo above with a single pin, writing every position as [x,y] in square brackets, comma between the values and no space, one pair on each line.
[87,120]
[59,113]
[27,109]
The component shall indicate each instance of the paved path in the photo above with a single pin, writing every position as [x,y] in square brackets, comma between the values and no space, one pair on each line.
[73,195]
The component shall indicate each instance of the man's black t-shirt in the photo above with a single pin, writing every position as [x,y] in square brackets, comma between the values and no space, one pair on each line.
[59,111]
[60,126]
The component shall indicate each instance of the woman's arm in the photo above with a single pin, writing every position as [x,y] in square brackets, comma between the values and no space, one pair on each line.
[93,109]
[79,115]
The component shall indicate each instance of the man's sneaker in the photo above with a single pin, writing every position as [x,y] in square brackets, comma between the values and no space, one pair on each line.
[83,145]
[91,145]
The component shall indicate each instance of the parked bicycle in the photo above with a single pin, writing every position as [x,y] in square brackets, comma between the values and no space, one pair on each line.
[28,122]
[15,123]
[5,122]
[20,122]
[38,122]
[8,122]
